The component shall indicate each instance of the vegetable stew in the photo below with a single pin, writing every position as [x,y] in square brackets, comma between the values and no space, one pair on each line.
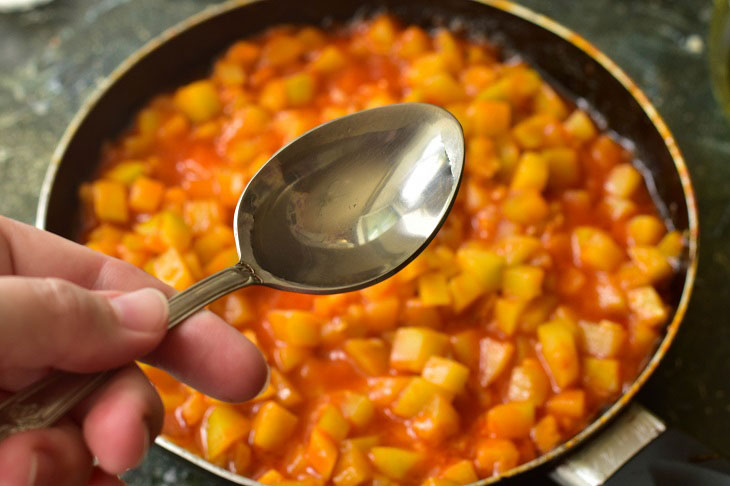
[537,303]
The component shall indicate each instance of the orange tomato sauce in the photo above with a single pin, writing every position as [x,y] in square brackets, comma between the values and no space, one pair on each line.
[535,306]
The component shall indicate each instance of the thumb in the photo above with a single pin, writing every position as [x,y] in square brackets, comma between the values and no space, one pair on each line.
[52,322]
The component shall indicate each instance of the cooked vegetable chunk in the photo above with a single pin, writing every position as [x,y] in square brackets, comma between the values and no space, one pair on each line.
[413,346]
[272,426]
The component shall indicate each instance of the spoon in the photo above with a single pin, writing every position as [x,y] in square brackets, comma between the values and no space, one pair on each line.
[342,207]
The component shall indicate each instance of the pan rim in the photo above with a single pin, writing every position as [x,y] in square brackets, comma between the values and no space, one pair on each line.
[528,15]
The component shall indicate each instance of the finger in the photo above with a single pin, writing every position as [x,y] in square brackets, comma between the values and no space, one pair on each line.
[213,358]
[52,322]
[55,456]
[28,251]
[13,379]
[121,419]
[101,478]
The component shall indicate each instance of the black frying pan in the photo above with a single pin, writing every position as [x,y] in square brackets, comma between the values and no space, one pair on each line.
[566,60]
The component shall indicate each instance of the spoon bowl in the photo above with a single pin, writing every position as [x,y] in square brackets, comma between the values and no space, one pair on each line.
[344,206]
[349,203]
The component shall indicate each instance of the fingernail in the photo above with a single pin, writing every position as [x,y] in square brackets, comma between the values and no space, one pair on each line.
[143,310]
[42,470]
[268,377]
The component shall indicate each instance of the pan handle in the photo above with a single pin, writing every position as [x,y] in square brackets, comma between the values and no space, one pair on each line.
[638,449]
[594,463]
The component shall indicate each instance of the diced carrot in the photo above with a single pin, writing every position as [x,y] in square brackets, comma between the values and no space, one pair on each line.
[672,244]
[525,207]
[570,403]
[623,181]
[416,314]
[297,328]
[110,201]
[288,357]
[531,173]
[208,245]
[511,420]
[382,315]
[549,102]
[311,38]
[223,427]
[174,232]
[199,101]
[272,426]
[644,230]
[490,117]
[194,408]
[241,457]
[145,195]
[281,50]
[329,60]
[596,249]
[381,34]
[433,289]
[442,88]
[580,126]
[461,472]
[494,456]
[465,345]
[322,453]
[412,42]
[642,339]
[603,376]
[272,476]
[222,260]
[546,434]
[563,166]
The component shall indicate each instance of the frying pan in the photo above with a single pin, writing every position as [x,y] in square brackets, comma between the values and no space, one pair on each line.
[567,61]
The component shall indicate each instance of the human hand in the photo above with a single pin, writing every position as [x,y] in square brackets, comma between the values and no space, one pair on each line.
[64,306]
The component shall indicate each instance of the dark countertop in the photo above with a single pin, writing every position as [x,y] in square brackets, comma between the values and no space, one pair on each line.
[53,57]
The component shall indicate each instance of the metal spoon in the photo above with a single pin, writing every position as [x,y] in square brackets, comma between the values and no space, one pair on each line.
[344,206]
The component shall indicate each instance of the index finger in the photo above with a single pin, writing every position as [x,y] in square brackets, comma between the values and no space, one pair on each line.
[27,251]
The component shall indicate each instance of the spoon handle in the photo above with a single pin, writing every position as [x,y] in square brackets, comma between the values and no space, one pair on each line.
[192,299]
[42,403]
